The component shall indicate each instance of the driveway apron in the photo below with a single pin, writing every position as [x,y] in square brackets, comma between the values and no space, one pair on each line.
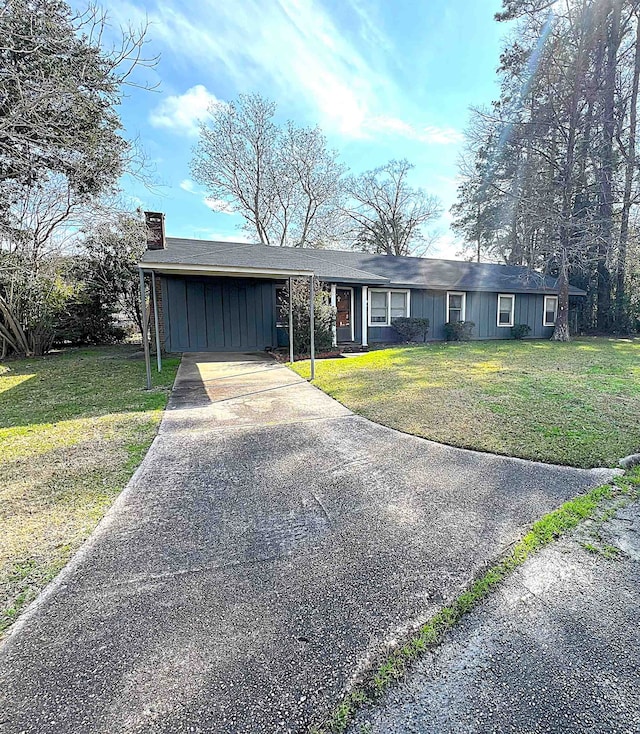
[269,545]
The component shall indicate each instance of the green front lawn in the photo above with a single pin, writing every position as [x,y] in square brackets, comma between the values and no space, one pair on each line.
[575,403]
[73,428]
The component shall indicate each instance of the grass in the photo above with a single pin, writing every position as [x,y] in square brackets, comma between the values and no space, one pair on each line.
[73,428]
[549,528]
[574,404]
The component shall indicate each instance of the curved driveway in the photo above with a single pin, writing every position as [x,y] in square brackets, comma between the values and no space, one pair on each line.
[269,543]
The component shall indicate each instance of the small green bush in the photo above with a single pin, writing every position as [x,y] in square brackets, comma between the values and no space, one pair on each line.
[519,331]
[458,331]
[412,329]
[324,316]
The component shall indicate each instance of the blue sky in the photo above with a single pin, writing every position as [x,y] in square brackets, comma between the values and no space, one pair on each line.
[384,79]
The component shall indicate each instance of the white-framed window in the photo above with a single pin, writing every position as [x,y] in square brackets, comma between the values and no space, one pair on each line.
[550,311]
[506,309]
[386,305]
[456,306]
[282,306]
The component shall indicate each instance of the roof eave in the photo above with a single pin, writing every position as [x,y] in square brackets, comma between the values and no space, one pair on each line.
[482,289]
[223,270]
[247,271]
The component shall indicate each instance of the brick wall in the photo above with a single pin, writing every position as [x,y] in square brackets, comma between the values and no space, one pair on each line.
[159,291]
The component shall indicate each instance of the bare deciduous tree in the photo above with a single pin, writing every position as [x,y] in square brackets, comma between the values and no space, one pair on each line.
[388,214]
[284,181]
[113,247]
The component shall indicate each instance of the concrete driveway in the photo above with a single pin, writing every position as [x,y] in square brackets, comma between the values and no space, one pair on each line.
[269,544]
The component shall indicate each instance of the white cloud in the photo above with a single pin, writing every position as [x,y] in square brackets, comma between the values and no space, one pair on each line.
[182,112]
[439,135]
[426,134]
[447,246]
[297,54]
[219,205]
[216,236]
[189,186]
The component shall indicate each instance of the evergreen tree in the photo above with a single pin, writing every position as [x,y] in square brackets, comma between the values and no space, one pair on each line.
[550,176]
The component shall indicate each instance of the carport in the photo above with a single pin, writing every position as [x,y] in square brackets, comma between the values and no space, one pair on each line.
[208,287]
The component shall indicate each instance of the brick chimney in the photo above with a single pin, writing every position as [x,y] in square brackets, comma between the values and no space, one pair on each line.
[155,230]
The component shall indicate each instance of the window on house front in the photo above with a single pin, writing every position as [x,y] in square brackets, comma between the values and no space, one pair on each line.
[398,305]
[282,306]
[378,307]
[506,308]
[456,307]
[550,310]
[387,305]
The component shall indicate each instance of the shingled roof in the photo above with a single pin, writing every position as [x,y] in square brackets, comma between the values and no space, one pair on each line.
[350,267]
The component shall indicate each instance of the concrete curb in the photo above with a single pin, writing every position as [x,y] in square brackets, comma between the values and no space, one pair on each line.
[628,462]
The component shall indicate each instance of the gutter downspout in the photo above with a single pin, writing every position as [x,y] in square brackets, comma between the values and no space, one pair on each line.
[365,317]
[334,328]
[290,319]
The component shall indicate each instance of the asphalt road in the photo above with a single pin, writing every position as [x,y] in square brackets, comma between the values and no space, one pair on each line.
[269,544]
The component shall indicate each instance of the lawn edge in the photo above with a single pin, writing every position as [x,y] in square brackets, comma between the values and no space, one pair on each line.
[549,528]
[76,558]
[470,449]
[81,551]
[463,446]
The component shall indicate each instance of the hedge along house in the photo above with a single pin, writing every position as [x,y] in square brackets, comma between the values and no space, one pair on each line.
[226,296]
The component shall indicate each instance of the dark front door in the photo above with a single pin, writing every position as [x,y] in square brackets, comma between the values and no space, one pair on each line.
[344,323]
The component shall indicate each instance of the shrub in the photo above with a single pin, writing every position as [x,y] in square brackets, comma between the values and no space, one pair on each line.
[458,331]
[519,331]
[87,319]
[324,316]
[412,329]
[31,301]
[90,313]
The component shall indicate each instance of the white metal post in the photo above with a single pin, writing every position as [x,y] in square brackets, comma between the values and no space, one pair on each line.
[312,326]
[365,317]
[145,335]
[290,319]
[156,321]
[334,329]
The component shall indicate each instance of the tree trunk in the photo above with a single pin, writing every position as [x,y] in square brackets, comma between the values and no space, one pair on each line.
[621,321]
[566,228]
[561,330]
[607,163]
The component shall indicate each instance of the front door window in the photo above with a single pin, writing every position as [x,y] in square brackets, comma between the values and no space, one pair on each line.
[343,315]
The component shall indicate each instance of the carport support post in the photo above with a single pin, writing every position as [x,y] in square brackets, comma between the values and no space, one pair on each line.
[334,330]
[155,321]
[145,334]
[365,317]
[312,326]
[290,319]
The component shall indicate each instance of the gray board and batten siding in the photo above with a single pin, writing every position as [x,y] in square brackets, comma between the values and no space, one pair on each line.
[221,296]
[239,314]
[481,308]
[218,314]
